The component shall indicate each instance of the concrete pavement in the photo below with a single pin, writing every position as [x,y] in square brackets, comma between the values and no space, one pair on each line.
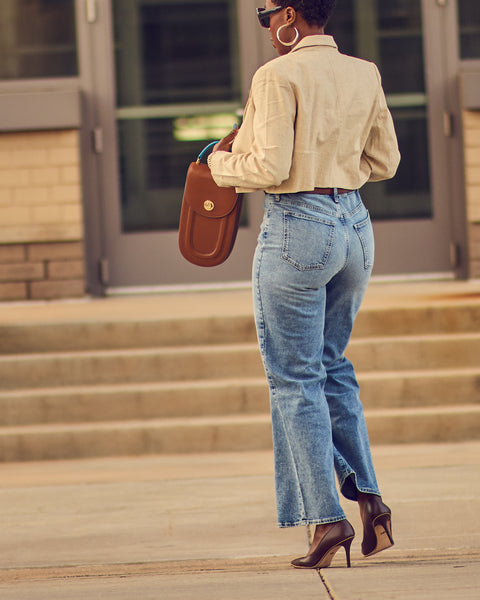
[198,527]
[203,527]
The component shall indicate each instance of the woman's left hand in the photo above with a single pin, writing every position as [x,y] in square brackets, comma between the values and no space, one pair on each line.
[225,144]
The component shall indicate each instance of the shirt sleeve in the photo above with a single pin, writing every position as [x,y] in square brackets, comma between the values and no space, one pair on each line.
[261,155]
[381,149]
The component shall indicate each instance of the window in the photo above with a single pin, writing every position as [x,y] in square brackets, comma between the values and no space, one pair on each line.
[37,39]
[469,24]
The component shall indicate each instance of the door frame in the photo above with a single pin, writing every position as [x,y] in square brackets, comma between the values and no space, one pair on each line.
[447,188]
[101,185]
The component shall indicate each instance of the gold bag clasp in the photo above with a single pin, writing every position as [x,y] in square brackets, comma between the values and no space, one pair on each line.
[208,205]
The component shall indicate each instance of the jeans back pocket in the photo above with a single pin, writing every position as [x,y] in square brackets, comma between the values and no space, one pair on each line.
[307,241]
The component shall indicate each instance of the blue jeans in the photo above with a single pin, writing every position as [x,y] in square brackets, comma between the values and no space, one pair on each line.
[312,266]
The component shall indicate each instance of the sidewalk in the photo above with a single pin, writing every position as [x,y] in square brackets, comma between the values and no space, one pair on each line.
[203,527]
[198,527]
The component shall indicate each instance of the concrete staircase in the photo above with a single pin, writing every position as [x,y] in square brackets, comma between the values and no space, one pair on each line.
[176,385]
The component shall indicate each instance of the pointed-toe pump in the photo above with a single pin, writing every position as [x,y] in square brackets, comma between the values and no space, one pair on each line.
[341,534]
[377,527]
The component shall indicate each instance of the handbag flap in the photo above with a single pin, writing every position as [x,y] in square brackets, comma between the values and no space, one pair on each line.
[204,196]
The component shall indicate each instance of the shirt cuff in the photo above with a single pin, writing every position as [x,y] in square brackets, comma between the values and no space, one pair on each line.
[210,160]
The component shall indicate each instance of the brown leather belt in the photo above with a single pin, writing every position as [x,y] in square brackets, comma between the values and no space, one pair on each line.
[328,191]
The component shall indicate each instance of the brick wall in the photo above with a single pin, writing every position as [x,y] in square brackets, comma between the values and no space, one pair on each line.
[41,220]
[471,123]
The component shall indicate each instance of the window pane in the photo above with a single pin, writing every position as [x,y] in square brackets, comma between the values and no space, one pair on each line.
[469,21]
[170,53]
[391,34]
[407,195]
[37,39]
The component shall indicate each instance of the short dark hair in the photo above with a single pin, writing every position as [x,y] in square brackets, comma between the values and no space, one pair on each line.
[315,12]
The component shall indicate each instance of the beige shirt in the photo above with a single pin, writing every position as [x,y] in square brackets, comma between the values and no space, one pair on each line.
[314,118]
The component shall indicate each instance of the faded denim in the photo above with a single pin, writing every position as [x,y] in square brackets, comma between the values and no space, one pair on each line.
[312,266]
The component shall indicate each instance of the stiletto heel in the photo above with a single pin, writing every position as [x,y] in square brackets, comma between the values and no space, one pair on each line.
[341,534]
[346,544]
[377,527]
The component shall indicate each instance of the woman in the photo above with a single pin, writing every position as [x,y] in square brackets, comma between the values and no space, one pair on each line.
[316,128]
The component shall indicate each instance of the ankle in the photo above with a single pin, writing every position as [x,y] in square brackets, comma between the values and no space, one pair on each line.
[363,499]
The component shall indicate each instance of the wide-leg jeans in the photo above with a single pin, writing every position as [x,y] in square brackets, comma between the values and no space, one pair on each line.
[312,266]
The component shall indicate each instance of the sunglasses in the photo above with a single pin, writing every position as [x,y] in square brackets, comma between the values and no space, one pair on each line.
[264,15]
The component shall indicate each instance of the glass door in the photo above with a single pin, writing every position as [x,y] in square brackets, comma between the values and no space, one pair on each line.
[177,86]
[411,212]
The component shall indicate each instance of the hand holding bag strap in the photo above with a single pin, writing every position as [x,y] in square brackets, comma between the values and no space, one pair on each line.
[209,218]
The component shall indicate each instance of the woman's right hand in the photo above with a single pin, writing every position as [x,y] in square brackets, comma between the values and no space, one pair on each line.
[225,144]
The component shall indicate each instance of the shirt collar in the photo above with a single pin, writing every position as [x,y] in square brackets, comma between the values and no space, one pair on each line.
[315,40]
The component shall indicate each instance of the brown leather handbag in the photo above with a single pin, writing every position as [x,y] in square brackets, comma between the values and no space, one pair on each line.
[209,218]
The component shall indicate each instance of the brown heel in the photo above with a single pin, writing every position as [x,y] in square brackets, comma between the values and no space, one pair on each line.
[346,544]
[341,534]
[377,527]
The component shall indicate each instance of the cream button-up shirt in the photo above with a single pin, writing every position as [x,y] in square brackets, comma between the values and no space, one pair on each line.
[314,118]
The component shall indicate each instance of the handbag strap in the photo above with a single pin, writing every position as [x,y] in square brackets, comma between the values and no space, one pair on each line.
[207,150]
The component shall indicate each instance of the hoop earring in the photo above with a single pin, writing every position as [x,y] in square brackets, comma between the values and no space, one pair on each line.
[295,40]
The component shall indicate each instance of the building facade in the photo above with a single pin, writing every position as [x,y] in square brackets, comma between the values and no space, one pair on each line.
[103,104]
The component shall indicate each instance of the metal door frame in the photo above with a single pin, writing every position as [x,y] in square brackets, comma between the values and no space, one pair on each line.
[446,168]
[100,161]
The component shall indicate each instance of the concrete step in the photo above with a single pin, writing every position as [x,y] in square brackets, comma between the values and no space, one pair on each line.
[109,333]
[218,434]
[18,338]
[242,395]
[224,361]
[439,351]
[129,381]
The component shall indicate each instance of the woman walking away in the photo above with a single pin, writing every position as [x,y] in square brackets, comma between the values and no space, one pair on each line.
[316,128]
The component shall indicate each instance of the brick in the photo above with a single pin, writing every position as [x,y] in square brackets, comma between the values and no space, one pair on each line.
[70,175]
[474,270]
[12,178]
[474,239]
[66,269]
[12,253]
[53,251]
[471,119]
[11,141]
[472,157]
[6,197]
[14,215]
[29,158]
[13,291]
[471,139]
[63,156]
[44,232]
[66,193]
[22,271]
[67,138]
[29,140]
[31,195]
[50,213]
[45,176]
[72,213]
[5,159]
[473,176]
[50,290]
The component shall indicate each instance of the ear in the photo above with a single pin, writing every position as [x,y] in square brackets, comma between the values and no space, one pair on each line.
[290,15]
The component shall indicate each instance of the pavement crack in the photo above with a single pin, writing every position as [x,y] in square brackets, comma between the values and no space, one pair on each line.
[328,587]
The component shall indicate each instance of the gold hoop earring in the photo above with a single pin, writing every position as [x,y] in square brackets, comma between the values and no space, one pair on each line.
[295,40]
